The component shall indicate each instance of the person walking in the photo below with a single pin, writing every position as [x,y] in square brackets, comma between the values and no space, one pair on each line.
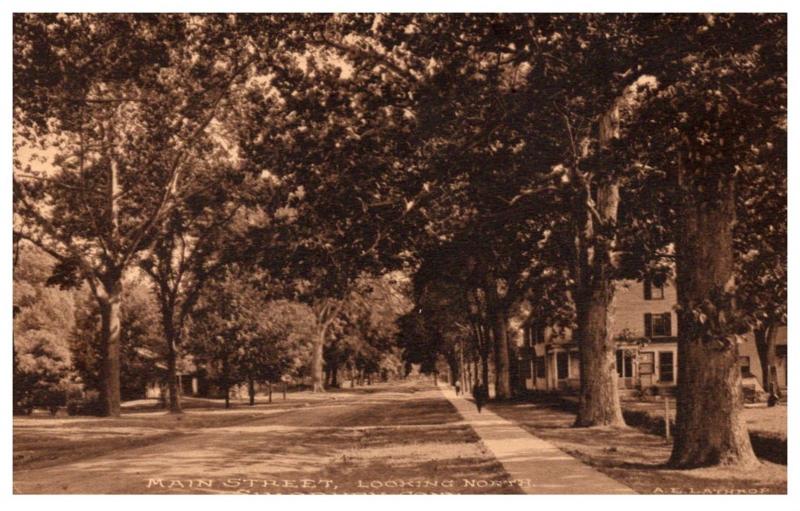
[481,394]
[458,387]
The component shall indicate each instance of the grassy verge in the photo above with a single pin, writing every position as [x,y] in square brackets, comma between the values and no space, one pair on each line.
[637,458]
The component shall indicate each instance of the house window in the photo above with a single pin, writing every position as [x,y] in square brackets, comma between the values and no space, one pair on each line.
[666,367]
[537,333]
[658,325]
[744,365]
[562,365]
[646,362]
[540,369]
[652,291]
[624,364]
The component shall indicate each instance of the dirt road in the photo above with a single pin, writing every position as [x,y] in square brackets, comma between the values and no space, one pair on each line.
[381,439]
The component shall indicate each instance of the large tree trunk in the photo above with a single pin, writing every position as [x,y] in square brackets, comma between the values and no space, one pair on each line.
[318,362]
[335,375]
[110,349]
[499,322]
[226,382]
[172,362]
[502,376]
[599,403]
[708,428]
[765,339]
[517,385]
[485,348]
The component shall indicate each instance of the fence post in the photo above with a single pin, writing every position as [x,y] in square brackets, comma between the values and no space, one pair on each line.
[666,418]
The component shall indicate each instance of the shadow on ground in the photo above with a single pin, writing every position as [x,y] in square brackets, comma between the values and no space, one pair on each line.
[636,458]
[405,439]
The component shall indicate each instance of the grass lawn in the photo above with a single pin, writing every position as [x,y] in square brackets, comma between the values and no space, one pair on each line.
[759,417]
[636,458]
[770,420]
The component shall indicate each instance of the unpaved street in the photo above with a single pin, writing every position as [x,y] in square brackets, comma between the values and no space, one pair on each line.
[402,438]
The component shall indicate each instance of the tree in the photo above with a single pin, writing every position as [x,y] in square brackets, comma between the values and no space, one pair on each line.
[761,263]
[442,321]
[201,236]
[220,329]
[280,345]
[141,350]
[720,116]
[42,360]
[241,337]
[118,101]
[337,149]
[364,335]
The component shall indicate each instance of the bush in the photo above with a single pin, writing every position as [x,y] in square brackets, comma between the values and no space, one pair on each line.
[41,371]
[84,403]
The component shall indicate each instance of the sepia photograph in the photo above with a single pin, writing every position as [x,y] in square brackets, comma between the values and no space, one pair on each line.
[406,253]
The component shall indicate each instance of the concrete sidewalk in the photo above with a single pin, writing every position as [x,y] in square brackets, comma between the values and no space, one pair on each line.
[538,466]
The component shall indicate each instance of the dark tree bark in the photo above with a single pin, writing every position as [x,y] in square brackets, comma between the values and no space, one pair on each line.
[326,311]
[499,322]
[318,362]
[455,365]
[163,398]
[599,403]
[335,375]
[109,301]
[517,385]
[485,349]
[502,376]
[171,338]
[599,398]
[251,391]
[226,385]
[708,428]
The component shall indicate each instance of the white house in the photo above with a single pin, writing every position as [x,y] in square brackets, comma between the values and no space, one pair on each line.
[644,325]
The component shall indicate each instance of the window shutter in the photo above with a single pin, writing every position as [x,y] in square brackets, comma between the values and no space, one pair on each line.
[668,321]
[648,325]
[648,289]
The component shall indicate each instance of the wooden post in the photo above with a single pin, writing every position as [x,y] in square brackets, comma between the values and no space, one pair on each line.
[284,391]
[666,418]
[269,386]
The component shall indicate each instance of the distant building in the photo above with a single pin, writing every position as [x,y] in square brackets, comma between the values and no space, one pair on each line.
[645,327]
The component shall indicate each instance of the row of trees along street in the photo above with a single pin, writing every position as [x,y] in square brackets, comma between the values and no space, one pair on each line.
[276,181]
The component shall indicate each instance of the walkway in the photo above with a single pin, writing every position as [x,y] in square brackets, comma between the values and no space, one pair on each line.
[538,466]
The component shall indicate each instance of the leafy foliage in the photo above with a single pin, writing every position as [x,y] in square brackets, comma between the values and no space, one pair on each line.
[42,360]
[237,335]
[141,345]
